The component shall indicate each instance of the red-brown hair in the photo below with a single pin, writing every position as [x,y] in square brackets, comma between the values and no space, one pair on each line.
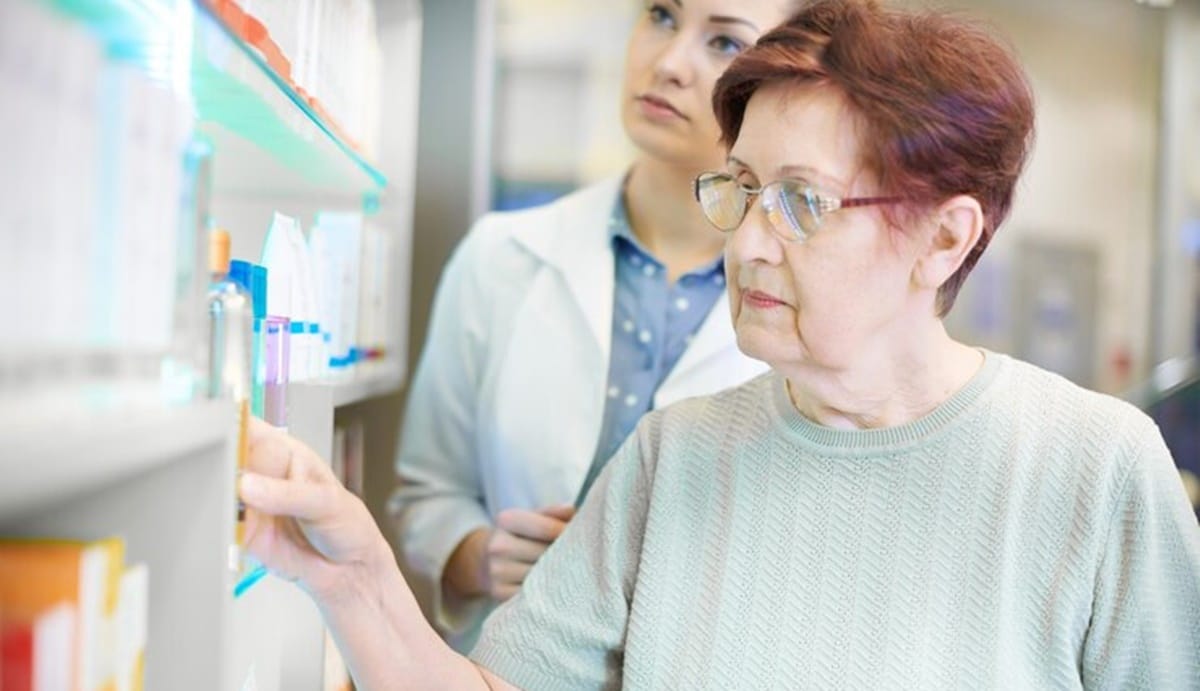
[945,108]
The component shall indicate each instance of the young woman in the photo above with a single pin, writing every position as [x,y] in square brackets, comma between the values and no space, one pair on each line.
[555,329]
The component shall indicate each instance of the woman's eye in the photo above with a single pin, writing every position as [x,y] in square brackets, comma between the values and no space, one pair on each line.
[660,16]
[726,45]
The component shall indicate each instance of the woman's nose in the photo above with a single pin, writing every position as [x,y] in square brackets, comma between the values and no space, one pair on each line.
[754,240]
[674,64]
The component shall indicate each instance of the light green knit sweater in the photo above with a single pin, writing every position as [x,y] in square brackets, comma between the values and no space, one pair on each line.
[1027,534]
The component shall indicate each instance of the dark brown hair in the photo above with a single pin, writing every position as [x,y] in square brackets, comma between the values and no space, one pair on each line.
[945,108]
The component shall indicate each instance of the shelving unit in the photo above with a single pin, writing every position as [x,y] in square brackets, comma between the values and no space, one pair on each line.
[259,112]
[90,462]
[368,381]
[107,444]
[176,515]
[312,405]
[273,142]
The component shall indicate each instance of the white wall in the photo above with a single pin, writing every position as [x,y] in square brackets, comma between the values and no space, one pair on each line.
[1091,181]
[1178,243]
[400,42]
[559,67]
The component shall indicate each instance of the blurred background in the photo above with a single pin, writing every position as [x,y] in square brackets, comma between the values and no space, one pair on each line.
[1096,274]
[1110,198]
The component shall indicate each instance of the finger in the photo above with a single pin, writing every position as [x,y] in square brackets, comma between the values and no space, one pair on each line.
[530,524]
[259,428]
[260,432]
[274,453]
[508,572]
[304,500]
[505,545]
[269,453]
[563,512]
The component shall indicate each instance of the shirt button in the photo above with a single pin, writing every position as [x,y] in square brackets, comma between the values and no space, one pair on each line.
[635,259]
[613,392]
[648,270]
[644,336]
[627,326]
[631,400]
[682,304]
[719,280]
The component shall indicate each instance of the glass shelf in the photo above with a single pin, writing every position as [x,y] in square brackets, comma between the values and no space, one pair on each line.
[268,140]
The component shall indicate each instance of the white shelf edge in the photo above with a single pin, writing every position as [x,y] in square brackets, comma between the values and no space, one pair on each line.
[371,380]
[46,464]
[387,379]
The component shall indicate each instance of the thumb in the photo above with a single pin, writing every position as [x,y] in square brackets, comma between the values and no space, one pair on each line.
[303,500]
[563,512]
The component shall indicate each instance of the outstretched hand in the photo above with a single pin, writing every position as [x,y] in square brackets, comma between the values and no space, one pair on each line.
[301,522]
[304,526]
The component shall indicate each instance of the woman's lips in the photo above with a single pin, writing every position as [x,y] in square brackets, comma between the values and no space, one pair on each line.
[658,108]
[761,300]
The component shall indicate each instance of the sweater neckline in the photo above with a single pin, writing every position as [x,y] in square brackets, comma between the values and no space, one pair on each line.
[861,442]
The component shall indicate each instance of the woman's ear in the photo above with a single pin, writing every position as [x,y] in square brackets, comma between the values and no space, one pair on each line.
[957,227]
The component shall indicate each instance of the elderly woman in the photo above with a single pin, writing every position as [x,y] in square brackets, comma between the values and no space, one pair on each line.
[887,507]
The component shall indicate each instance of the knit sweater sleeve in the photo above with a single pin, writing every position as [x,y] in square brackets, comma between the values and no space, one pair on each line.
[566,628]
[1145,628]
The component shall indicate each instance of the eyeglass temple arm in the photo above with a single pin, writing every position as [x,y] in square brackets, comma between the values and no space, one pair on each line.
[835,204]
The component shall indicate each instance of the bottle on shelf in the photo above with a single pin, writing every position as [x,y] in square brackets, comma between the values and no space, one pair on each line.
[306,305]
[258,288]
[231,325]
[336,244]
[253,278]
[277,340]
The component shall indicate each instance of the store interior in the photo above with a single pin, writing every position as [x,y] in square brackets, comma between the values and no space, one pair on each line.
[346,147]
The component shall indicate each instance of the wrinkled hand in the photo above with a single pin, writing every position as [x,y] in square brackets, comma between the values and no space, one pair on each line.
[301,522]
[517,542]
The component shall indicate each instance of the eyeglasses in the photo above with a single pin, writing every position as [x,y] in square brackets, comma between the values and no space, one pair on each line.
[793,207]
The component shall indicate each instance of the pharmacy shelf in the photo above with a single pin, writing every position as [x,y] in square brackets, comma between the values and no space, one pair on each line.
[364,381]
[175,513]
[269,140]
[369,380]
[312,405]
[78,447]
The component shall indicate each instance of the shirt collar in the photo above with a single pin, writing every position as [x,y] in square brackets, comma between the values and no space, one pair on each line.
[620,233]
[618,223]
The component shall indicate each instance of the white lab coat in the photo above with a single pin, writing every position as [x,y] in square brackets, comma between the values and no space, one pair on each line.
[507,402]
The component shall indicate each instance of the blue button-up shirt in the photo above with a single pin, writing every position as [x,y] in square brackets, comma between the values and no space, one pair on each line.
[653,323]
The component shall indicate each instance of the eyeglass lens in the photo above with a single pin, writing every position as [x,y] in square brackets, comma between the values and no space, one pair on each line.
[791,207]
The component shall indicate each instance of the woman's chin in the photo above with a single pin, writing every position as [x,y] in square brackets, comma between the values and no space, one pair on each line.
[760,344]
[672,145]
